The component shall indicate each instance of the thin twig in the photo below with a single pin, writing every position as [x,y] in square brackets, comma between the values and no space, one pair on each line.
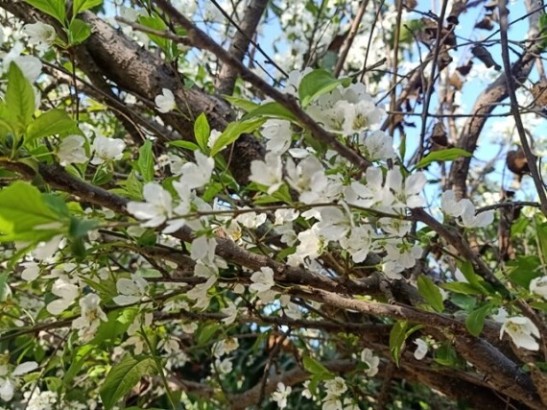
[530,157]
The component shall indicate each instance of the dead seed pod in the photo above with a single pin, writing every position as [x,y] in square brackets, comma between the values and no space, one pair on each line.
[484,55]
[517,163]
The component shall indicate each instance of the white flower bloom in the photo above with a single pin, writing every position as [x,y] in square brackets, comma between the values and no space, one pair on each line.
[358,243]
[8,380]
[231,313]
[522,331]
[72,151]
[106,149]
[281,394]
[279,134]
[31,271]
[67,292]
[40,34]
[336,387]
[203,249]
[157,208]
[285,215]
[198,174]
[223,347]
[333,223]
[407,194]
[371,194]
[331,403]
[470,220]
[224,366]
[310,246]
[450,205]
[268,172]
[372,361]
[539,286]
[165,101]
[421,349]
[200,293]
[263,280]
[130,290]
[378,146]
[251,220]
[90,318]
[401,255]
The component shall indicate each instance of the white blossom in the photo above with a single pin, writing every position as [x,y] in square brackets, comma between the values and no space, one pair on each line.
[66,291]
[279,134]
[539,286]
[372,361]
[281,394]
[231,313]
[421,349]
[336,387]
[198,174]
[72,151]
[378,146]
[106,149]
[130,290]
[165,101]
[157,208]
[8,379]
[90,318]
[268,172]
[40,34]
[522,331]
[263,280]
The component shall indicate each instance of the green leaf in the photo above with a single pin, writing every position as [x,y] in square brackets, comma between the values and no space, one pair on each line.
[19,97]
[146,161]
[316,83]
[474,322]
[449,154]
[474,280]
[446,355]
[233,131]
[202,131]
[25,216]
[541,230]
[523,269]
[80,227]
[207,332]
[76,363]
[82,5]
[241,103]
[184,144]
[271,110]
[3,285]
[78,31]
[317,369]
[397,338]
[462,287]
[117,324]
[155,22]
[51,123]
[55,8]
[431,293]
[123,377]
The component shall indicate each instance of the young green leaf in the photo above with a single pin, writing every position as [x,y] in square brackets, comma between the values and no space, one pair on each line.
[123,377]
[397,338]
[242,103]
[82,5]
[55,8]
[271,110]
[19,98]
[316,83]
[315,368]
[475,321]
[146,161]
[25,216]
[449,154]
[233,131]
[78,32]
[51,122]
[431,293]
[202,131]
